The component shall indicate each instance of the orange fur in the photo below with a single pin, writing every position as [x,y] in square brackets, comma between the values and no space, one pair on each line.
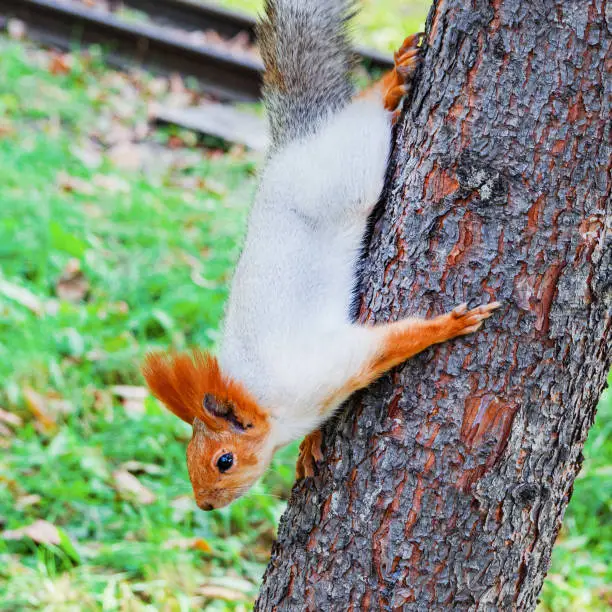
[181,380]
[210,487]
[310,454]
[391,87]
[404,339]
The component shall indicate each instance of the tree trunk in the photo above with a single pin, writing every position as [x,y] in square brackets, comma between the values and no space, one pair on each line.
[444,484]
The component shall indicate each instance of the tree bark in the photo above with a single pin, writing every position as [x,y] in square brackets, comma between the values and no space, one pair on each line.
[444,484]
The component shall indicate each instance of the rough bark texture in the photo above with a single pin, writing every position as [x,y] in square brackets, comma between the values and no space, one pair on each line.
[444,484]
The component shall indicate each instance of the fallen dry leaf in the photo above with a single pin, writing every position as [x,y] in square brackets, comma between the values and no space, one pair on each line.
[96,354]
[181,507]
[72,285]
[175,142]
[137,467]
[141,130]
[132,397]
[130,486]
[73,184]
[126,155]
[60,63]
[88,153]
[40,531]
[157,86]
[6,128]
[188,544]
[93,211]
[120,307]
[22,296]
[130,391]
[190,182]
[38,405]
[201,545]
[212,591]
[102,400]
[125,105]
[177,85]
[11,485]
[112,184]
[59,406]
[10,418]
[25,501]
[214,187]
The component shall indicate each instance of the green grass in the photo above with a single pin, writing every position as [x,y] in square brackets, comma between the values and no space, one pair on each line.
[580,577]
[136,241]
[156,245]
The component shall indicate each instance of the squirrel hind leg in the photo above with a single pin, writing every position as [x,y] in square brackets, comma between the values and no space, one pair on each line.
[310,455]
[396,82]
[394,96]
[410,43]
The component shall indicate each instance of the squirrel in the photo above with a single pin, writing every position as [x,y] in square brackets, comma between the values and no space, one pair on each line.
[290,354]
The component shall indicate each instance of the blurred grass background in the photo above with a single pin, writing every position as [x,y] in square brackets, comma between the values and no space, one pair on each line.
[115,237]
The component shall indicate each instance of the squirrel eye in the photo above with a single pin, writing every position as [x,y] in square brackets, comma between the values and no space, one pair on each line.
[225,462]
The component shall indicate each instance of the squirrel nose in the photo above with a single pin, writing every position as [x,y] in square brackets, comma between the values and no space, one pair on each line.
[207,507]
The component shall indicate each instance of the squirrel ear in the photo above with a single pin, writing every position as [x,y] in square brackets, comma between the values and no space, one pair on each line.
[228,411]
[159,370]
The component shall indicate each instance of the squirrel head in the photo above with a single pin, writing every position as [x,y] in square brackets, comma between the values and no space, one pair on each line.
[229,449]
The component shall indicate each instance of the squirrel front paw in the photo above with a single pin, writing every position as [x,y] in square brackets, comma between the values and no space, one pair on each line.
[461,321]
[406,60]
[310,455]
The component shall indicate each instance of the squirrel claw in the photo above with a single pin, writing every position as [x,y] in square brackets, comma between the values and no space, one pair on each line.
[460,310]
[463,321]
[406,60]
[410,42]
[310,455]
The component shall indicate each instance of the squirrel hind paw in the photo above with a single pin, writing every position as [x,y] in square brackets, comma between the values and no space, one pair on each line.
[410,42]
[394,96]
[310,455]
[406,61]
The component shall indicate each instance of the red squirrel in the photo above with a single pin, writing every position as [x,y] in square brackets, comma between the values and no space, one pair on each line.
[290,354]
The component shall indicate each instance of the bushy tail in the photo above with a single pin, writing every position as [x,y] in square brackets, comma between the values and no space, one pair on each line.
[308,61]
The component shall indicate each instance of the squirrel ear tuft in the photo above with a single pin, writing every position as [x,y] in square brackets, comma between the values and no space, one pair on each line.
[191,386]
[164,381]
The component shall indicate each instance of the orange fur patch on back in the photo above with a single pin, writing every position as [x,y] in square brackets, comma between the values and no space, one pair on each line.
[390,88]
[181,380]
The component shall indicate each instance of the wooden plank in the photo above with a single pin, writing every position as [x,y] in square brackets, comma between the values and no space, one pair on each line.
[70,25]
[221,121]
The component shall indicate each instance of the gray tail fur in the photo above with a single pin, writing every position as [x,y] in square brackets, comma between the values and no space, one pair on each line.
[308,62]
